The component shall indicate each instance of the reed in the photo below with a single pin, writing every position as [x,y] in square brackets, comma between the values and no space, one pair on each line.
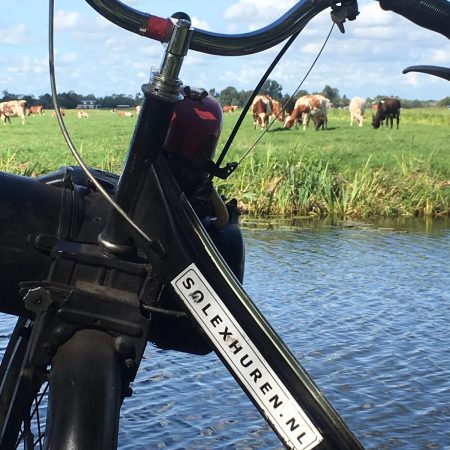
[348,172]
[310,186]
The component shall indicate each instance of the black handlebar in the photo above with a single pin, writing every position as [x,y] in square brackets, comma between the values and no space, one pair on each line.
[213,43]
[431,14]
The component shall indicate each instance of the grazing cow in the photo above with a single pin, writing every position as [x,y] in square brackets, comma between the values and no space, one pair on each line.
[124,113]
[138,109]
[227,109]
[13,108]
[277,113]
[357,108]
[83,115]
[37,109]
[5,112]
[61,110]
[306,107]
[388,109]
[261,110]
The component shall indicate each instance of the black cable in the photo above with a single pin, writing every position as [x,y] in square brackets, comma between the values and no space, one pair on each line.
[284,106]
[66,135]
[252,97]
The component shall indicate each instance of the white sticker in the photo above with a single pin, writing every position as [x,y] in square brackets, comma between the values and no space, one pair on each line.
[247,363]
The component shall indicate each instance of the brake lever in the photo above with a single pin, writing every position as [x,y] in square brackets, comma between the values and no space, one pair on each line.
[346,10]
[442,72]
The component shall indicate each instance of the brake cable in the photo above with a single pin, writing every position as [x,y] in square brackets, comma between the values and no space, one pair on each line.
[229,168]
[68,139]
[290,97]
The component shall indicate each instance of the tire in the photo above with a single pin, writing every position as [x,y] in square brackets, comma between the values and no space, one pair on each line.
[81,414]
[20,392]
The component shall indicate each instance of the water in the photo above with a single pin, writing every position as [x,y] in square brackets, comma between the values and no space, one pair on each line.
[365,309]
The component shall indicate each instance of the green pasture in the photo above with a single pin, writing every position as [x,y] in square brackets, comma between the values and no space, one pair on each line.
[355,172]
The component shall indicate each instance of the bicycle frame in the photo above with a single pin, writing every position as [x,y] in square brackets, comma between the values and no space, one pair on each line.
[82,295]
[122,286]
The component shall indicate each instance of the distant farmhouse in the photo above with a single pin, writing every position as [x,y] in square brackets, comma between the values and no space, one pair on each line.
[88,104]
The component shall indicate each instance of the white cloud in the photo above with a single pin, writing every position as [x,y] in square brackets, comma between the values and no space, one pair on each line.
[67,20]
[260,12]
[14,35]
[412,79]
[201,24]
[440,56]
[25,65]
[371,15]
[67,57]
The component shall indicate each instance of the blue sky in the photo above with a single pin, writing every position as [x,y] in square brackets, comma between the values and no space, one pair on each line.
[94,56]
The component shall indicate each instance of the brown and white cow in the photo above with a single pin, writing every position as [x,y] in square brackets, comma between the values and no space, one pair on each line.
[5,112]
[125,113]
[357,108]
[261,110]
[61,110]
[37,109]
[83,115]
[228,109]
[277,111]
[309,107]
[13,108]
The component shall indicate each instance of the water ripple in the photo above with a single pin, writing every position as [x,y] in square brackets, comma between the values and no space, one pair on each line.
[364,309]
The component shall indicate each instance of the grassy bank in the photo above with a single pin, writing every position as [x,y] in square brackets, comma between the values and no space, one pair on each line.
[354,172]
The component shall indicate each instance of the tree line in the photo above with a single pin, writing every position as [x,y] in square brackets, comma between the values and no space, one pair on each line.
[231,96]
[228,96]
[70,100]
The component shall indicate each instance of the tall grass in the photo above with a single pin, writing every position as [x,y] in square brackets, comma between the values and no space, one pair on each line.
[310,186]
[357,172]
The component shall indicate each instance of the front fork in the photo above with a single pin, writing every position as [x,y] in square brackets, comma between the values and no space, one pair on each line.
[85,393]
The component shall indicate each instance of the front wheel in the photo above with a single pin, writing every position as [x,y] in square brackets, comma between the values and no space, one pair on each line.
[23,390]
[85,394]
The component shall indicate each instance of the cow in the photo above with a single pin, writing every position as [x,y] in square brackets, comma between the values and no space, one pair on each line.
[37,109]
[5,112]
[124,113]
[261,110]
[306,107]
[83,115]
[388,109]
[61,110]
[13,108]
[277,111]
[357,108]
[138,109]
[227,109]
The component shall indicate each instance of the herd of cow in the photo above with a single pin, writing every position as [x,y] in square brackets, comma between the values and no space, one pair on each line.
[19,108]
[265,109]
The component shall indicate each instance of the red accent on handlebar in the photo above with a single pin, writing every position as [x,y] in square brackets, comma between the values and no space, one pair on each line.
[157,28]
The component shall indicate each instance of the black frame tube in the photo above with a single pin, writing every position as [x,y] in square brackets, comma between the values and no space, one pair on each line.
[146,144]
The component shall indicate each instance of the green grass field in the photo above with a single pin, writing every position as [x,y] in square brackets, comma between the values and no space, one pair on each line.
[357,172]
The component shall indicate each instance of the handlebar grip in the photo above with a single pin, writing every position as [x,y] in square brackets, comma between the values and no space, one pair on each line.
[431,14]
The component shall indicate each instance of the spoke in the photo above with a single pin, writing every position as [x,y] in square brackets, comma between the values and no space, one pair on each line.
[31,434]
